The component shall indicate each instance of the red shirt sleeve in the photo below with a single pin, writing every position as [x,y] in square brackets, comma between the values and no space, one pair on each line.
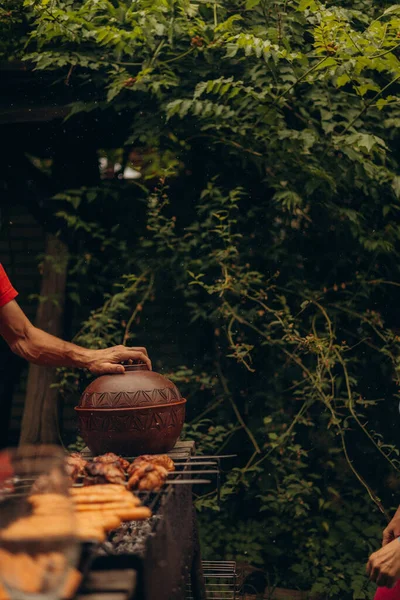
[7,292]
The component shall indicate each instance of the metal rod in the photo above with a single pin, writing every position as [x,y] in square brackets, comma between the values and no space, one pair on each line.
[196,464]
[216,573]
[215,456]
[187,481]
[219,562]
[201,457]
[219,597]
[227,585]
[183,457]
[190,472]
[224,574]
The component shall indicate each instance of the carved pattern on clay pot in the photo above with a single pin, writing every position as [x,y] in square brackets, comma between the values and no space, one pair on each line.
[139,421]
[129,399]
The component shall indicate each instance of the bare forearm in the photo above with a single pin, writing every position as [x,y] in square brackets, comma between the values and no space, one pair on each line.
[41,348]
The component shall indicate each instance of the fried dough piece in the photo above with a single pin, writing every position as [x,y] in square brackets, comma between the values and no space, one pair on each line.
[139,513]
[107,520]
[37,527]
[94,533]
[51,505]
[53,499]
[123,513]
[105,488]
[112,506]
[105,498]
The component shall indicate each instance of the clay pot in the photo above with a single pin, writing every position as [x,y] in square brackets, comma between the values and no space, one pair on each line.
[137,412]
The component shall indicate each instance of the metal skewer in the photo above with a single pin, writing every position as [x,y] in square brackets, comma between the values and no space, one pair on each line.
[210,456]
[197,464]
[190,472]
[187,481]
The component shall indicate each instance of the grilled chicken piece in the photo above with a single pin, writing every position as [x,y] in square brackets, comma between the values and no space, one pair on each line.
[107,458]
[111,458]
[98,472]
[147,477]
[75,465]
[162,460]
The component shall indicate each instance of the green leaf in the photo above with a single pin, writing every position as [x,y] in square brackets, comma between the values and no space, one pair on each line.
[342,80]
[91,196]
[367,87]
[75,201]
[74,296]
[329,62]
[252,3]
[305,4]
[392,9]
[365,141]
[396,186]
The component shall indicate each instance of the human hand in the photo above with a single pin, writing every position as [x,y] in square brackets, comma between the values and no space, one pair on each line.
[384,565]
[100,362]
[392,531]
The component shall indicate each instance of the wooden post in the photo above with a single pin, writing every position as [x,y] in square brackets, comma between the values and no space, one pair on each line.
[39,421]
[75,164]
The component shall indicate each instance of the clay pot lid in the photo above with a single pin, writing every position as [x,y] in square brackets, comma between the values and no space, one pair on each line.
[137,387]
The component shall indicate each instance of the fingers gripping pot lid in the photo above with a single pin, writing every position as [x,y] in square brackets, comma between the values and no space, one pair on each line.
[137,412]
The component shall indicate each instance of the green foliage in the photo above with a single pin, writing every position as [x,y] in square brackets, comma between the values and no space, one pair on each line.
[77,446]
[322,554]
[273,231]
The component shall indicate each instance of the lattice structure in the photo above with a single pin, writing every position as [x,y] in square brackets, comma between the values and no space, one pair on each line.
[221,581]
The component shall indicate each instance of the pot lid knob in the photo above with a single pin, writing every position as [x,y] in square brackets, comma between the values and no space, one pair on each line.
[134,365]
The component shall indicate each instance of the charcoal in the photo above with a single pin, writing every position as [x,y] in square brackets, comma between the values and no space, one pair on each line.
[130,538]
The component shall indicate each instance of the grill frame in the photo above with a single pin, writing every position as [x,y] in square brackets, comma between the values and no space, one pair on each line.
[171,552]
[175,535]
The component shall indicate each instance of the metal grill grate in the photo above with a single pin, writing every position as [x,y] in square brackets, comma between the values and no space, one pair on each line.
[221,581]
[190,469]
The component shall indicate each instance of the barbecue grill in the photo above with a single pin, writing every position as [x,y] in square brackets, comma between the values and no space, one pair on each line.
[164,551]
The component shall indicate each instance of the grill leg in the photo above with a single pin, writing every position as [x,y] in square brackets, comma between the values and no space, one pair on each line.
[196,572]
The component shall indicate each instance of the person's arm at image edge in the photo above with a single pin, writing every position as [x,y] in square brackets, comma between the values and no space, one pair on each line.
[392,531]
[41,348]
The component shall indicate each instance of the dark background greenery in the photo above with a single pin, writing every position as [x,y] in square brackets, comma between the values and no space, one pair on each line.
[261,247]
